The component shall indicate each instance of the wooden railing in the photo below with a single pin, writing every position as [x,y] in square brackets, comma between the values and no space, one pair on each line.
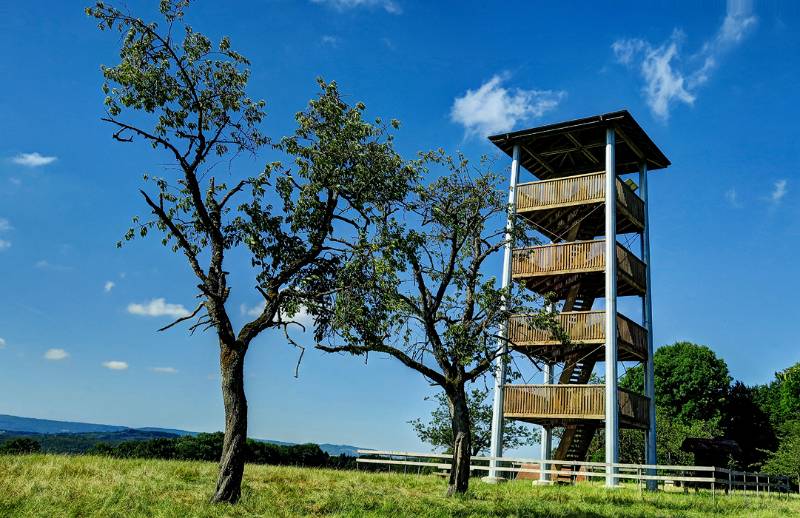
[570,402]
[576,190]
[580,326]
[632,333]
[555,401]
[631,265]
[574,257]
[577,256]
[633,406]
[573,190]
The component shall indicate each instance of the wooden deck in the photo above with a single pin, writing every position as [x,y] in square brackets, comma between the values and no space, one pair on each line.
[557,267]
[559,405]
[585,329]
[554,206]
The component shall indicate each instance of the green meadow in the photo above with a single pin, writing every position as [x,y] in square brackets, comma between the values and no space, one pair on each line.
[87,486]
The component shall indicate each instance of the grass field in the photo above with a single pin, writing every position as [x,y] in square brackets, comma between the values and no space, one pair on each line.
[54,486]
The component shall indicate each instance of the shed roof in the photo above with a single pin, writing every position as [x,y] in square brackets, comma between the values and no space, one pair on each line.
[578,146]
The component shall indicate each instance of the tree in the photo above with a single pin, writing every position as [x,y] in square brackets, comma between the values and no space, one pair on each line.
[191,103]
[438,432]
[746,423]
[786,460]
[20,446]
[420,295]
[780,399]
[691,382]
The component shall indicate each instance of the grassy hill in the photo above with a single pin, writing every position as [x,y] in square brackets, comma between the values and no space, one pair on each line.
[54,485]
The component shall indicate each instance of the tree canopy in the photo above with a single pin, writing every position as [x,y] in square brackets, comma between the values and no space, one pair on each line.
[187,97]
[691,382]
[420,294]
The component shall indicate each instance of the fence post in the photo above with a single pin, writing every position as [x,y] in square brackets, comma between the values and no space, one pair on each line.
[639,479]
[730,483]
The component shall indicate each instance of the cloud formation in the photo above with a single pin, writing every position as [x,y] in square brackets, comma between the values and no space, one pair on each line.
[669,78]
[115,365]
[164,370]
[2,343]
[108,286]
[732,197]
[34,159]
[390,6]
[492,108]
[778,191]
[5,226]
[44,264]
[302,317]
[158,307]
[331,41]
[55,354]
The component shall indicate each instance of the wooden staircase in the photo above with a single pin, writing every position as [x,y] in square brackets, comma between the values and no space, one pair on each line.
[575,442]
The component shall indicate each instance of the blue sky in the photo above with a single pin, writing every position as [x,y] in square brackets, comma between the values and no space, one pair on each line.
[715,88]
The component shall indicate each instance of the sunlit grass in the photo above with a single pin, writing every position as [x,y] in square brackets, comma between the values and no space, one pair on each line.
[52,485]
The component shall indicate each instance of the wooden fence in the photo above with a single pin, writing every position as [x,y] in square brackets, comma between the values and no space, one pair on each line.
[709,477]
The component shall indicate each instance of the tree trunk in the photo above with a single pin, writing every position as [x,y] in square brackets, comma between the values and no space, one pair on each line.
[231,464]
[459,467]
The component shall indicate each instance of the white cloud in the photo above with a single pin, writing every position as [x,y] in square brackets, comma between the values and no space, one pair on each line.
[2,342]
[34,159]
[493,109]
[115,365]
[47,265]
[55,354]
[778,191]
[732,197]
[108,286]
[302,317]
[157,308]
[164,370]
[390,6]
[5,226]
[253,311]
[331,41]
[669,78]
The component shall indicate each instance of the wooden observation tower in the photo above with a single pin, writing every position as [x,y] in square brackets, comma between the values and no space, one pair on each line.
[584,205]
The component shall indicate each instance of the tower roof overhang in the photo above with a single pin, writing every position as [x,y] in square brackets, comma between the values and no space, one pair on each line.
[578,146]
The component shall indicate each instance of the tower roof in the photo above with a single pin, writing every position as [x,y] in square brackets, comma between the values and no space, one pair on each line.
[578,146]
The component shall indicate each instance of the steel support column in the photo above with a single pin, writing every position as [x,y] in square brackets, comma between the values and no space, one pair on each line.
[647,318]
[547,431]
[496,445]
[611,411]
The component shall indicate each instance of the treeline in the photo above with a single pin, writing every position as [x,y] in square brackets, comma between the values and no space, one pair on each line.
[202,447]
[697,398]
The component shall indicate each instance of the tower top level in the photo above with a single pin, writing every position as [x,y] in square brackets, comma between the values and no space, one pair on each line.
[578,146]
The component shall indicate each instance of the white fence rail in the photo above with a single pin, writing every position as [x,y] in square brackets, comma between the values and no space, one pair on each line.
[708,476]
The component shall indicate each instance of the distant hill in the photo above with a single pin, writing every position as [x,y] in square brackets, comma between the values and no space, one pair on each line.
[13,423]
[74,437]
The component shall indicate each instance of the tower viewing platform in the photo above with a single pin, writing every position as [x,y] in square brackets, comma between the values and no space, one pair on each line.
[584,197]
